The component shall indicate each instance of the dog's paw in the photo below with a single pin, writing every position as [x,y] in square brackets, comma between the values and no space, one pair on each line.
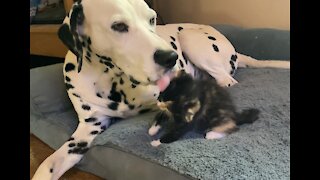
[227,82]
[154,129]
[155,143]
[214,135]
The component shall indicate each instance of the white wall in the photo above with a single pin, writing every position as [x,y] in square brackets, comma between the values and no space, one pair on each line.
[245,13]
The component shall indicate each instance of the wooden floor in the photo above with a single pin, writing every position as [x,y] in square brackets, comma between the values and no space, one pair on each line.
[39,151]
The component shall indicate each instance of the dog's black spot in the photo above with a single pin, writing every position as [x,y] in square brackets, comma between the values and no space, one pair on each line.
[114,95]
[51,170]
[89,49]
[94,132]
[131,106]
[83,44]
[106,70]
[173,45]
[78,150]
[205,33]
[173,39]
[69,86]
[123,94]
[109,64]
[180,28]
[76,95]
[113,106]
[181,63]
[232,65]
[89,40]
[134,81]
[184,57]
[126,102]
[215,47]
[105,58]
[86,107]
[104,127]
[68,79]
[70,139]
[121,81]
[99,95]
[234,58]
[133,99]
[71,144]
[232,72]
[69,67]
[151,21]
[87,58]
[97,124]
[133,86]
[212,38]
[82,144]
[91,119]
[81,148]
[144,111]
[88,54]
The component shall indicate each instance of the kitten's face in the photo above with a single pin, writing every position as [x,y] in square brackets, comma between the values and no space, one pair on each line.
[180,97]
[178,89]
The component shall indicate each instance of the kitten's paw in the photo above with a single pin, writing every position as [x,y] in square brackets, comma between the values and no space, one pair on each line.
[214,135]
[155,143]
[154,129]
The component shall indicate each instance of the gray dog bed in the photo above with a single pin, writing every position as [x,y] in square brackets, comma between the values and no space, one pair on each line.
[257,151]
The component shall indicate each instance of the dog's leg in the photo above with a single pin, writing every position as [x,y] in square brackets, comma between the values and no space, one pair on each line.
[214,55]
[247,61]
[71,151]
[223,78]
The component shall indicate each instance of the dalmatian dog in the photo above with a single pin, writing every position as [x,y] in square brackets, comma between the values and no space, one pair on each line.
[118,63]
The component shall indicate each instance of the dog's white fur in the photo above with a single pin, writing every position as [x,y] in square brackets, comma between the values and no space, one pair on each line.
[132,55]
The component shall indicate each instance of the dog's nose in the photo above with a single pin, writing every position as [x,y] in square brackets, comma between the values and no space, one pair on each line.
[166,59]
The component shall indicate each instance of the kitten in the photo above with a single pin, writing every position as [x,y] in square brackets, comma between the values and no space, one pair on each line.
[203,105]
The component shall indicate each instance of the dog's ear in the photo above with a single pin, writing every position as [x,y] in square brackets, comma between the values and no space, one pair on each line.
[71,33]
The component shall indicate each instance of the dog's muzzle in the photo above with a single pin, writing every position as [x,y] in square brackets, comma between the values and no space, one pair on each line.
[165,59]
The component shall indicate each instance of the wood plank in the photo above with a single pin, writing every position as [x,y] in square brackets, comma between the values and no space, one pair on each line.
[67,5]
[44,41]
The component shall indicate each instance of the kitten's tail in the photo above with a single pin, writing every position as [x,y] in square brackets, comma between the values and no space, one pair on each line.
[247,116]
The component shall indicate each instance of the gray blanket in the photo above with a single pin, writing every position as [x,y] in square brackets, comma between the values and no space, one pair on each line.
[257,151]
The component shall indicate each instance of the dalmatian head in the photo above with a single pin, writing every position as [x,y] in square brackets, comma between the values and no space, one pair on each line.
[123,30]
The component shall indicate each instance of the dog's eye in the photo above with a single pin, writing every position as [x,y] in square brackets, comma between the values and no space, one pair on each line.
[151,21]
[120,27]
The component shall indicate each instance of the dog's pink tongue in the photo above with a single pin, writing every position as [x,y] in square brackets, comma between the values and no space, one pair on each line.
[164,82]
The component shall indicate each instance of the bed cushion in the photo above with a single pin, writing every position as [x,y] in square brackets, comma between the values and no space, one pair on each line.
[257,151]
